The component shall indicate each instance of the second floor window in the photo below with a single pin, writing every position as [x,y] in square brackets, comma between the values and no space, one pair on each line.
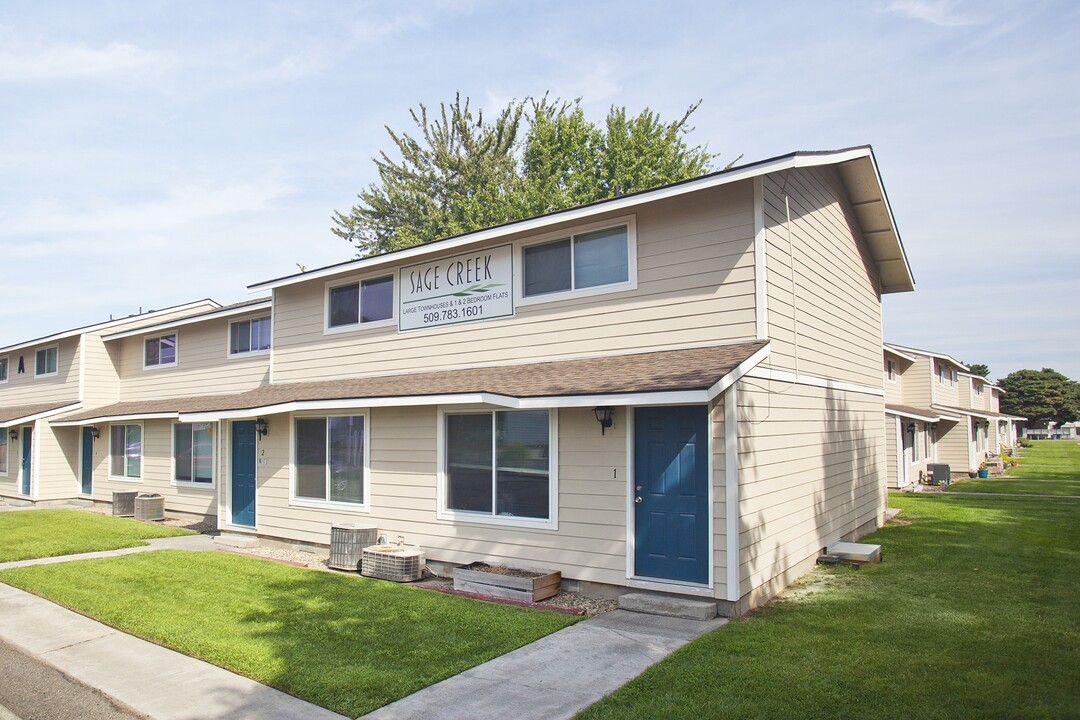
[3,370]
[890,368]
[45,362]
[160,351]
[578,262]
[360,302]
[249,335]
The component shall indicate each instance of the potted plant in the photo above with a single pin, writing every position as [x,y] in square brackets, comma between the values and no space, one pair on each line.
[973,473]
[984,471]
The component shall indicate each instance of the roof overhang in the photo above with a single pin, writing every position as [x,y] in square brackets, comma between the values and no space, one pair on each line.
[230,311]
[31,413]
[911,413]
[117,418]
[897,353]
[858,171]
[926,353]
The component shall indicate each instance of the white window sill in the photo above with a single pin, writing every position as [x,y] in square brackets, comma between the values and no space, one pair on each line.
[45,375]
[357,327]
[504,520]
[575,294]
[160,366]
[133,481]
[327,505]
[248,354]
[192,485]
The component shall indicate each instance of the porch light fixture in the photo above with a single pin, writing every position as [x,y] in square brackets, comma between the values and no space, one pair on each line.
[262,427]
[13,433]
[604,415]
[94,432]
[911,428]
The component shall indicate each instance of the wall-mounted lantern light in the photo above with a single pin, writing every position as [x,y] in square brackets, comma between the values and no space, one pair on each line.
[13,433]
[604,415]
[911,428]
[262,427]
[94,432]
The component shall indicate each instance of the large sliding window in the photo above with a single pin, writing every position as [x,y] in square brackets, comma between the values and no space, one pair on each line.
[366,301]
[125,451]
[498,464]
[579,262]
[249,336]
[3,451]
[330,456]
[193,453]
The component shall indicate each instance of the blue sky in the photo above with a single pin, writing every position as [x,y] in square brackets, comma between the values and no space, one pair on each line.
[154,153]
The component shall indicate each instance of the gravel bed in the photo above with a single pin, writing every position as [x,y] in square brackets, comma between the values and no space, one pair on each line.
[310,560]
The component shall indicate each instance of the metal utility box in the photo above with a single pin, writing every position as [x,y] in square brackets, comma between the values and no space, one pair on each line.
[123,503]
[150,506]
[937,473]
[347,543]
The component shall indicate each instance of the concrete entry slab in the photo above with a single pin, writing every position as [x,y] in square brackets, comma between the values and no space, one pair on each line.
[856,552]
[668,605]
[236,540]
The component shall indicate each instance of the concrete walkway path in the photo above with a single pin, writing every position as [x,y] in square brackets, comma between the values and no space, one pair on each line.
[556,676]
[180,542]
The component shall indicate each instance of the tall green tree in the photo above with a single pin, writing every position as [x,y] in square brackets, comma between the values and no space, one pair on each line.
[1041,396]
[978,369]
[463,172]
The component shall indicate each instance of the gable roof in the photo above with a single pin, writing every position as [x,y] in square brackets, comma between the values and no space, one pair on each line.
[898,349]
[219,312]
[856,165]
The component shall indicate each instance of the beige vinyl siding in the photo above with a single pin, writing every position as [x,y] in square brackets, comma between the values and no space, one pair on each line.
[894,389]
[156,472]
[695,286]
[820,281]
[26,389]
[57,462]
[917,382]
[893,451]
[965,394]
[952,445]
[202,366]
[948,392]
[811,472]
[101,378]
[590,543]
[719,504]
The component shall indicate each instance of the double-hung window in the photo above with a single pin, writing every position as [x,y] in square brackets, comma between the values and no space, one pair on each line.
[45,362]
[356,303]
[160,351]
[193,453]
[498,465]
[330,455]
[583,261]
[3,369]
[890,368]
[249,336]
[125,451]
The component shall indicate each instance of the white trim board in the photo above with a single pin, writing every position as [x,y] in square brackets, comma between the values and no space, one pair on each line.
[765,373]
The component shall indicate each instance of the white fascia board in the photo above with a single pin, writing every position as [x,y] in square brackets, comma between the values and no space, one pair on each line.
[117,419]
[253,307]
[570,401]
[912,416]
[892,218]
[102,326]
[786,376]
[43,415]
[892,350]
[737,372]
[627,203]
[929,353]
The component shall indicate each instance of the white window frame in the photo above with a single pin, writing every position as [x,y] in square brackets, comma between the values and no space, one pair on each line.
[142,453]
[890,370]
[294,500]
[172,458]
[176,348]
[630,221]
[442,512]
[6,362]
[247,353]
[7,451]
[360,326]
[46,349]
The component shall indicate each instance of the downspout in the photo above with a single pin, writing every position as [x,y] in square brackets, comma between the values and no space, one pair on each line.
[731,491]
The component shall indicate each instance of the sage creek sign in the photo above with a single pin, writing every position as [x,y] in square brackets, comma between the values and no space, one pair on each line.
[464,288]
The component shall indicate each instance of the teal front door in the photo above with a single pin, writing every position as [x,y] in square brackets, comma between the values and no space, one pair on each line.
[27,455]
[671,483]
[86,464]
[243,473]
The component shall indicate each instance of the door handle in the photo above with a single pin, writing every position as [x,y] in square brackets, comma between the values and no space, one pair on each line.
[637,499]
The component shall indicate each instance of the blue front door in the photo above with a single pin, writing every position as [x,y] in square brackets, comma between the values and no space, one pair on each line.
[27,453]
[86,467]
[671,481]
[243,473]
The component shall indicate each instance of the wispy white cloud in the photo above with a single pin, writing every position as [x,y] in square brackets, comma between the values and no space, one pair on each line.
[942,13]
[22,61]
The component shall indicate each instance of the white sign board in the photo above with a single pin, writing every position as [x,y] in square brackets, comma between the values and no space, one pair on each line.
[464,288]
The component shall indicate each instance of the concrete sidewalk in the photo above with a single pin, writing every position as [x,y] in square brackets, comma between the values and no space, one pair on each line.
[555,677]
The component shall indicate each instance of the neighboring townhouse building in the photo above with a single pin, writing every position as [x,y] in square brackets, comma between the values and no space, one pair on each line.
[1054,431]
[677,390]
[939,413]
[220,350]
[43,379]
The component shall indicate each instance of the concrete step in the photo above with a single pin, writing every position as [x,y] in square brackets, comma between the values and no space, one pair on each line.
[856,552]
[236,540]
[668,605]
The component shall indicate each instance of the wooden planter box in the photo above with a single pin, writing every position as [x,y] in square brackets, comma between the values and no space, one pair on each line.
[538,585]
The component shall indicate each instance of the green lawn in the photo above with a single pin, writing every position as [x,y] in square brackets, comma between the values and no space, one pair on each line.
[973,614]
[345,642]
[1048,467]
[26,534]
